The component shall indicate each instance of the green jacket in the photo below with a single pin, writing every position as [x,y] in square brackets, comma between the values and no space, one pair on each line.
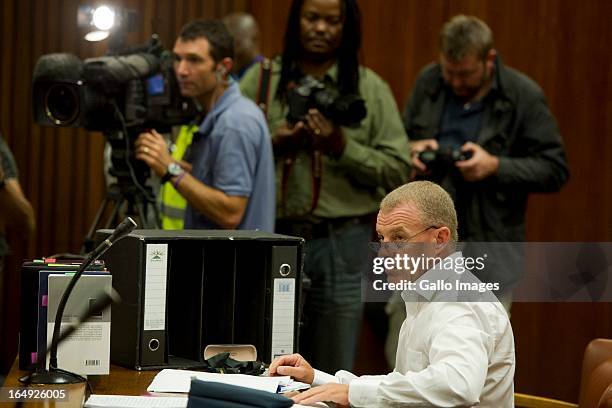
[375,159]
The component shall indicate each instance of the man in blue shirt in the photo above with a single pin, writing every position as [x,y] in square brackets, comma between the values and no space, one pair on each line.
[227,178]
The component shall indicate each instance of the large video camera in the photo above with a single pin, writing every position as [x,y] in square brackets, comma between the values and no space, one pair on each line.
[134,90]
[120,95]
[344,110]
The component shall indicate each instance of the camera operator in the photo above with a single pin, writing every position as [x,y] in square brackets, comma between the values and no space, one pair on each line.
[231,182]
[330,177]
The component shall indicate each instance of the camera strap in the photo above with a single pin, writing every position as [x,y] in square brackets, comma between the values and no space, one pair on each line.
[263,89]
[316,168]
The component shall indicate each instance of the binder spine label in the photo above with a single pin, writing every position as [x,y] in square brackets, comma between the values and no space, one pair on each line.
[283,313]
[155,287]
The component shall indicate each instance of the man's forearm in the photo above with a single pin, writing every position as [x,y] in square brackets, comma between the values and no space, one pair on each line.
[225,211]
[16,210]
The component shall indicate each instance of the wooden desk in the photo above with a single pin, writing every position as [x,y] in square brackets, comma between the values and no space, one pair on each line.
[120,381]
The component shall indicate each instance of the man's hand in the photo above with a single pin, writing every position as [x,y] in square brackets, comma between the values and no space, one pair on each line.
[288,134]
[293,365]
[338,393]
[481,165]
[153,150]
[327,137]
[419,146]
[287,138]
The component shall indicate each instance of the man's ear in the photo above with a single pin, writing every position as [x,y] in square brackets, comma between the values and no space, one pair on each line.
[443,235]
[225,66]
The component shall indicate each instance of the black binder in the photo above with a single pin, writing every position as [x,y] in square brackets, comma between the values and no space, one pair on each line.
[218,287]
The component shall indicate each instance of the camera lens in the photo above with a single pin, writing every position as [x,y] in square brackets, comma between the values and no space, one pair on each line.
[61,104]
[428,156]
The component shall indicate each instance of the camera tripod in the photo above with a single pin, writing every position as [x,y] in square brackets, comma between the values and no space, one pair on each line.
[129,191]
[136,204]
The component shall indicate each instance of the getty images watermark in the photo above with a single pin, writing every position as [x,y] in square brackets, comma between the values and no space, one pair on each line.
[481,271]
[407,265]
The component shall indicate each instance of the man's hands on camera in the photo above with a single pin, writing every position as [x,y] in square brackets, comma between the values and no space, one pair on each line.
[323,134]
[293,365]
[287,138]
[481,165]
[153,150]
[416,148]
[327,137]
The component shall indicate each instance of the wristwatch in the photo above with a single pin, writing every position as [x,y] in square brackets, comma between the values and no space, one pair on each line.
[173,170]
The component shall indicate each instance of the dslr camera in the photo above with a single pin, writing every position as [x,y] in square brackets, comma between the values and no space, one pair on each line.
[442,158]
[344,110]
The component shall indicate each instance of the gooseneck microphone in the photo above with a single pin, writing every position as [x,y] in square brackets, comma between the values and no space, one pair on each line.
[54,375]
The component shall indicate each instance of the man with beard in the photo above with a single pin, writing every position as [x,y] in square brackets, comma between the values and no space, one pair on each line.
[330,176]
[470,101]
[450,353]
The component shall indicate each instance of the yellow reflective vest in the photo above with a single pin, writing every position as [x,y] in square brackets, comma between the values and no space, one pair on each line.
[172,203]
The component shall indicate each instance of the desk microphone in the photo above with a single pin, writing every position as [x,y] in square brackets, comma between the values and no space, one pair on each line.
[54,375]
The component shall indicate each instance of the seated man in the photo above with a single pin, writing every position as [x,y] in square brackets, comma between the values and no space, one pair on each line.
[449,353]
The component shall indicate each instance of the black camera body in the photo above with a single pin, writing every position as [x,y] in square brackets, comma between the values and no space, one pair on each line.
[308,93]
[134,90]
[120,95]
[443,157]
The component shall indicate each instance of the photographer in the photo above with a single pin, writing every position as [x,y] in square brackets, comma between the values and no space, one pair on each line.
[490,140]
[231,182]
[330,177]
[472,102]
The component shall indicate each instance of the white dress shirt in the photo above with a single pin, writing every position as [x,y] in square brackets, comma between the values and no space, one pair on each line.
[449,354]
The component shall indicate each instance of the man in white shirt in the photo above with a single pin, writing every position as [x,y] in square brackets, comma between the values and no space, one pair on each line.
[449,353]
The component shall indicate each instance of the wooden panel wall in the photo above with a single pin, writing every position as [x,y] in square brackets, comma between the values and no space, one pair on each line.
[61,168]
[565,47]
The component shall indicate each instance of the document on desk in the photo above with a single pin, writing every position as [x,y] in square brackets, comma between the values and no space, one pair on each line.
[170,380]
[125,401]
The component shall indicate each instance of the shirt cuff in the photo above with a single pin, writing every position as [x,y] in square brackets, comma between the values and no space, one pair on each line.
[321,378]
[363,391]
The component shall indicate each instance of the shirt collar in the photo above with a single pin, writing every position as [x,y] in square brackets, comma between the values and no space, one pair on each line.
[332,72]
[231,94]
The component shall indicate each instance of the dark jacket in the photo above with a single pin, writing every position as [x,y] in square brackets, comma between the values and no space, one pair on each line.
[518,127]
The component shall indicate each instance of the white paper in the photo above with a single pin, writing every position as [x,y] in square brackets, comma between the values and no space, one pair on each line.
[155,287]
[283,315]
[170,380]
[125,401]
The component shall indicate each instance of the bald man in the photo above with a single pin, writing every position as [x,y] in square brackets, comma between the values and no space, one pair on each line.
[244,29]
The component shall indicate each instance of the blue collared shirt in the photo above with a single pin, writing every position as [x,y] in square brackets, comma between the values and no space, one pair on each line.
[232,152]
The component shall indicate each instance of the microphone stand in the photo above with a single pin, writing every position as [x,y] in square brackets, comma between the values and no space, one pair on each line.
[55,375]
